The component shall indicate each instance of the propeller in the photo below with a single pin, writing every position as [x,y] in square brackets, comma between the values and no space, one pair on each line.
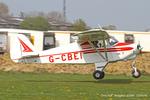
[139,48]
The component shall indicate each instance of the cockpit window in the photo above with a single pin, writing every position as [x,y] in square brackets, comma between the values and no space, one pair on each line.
[98,43]
[108,42]
[112,40]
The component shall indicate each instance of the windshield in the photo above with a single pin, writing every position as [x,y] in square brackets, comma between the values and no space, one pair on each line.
[112,40]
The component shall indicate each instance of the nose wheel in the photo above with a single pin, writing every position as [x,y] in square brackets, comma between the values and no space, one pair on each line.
[135,72]
[98,74]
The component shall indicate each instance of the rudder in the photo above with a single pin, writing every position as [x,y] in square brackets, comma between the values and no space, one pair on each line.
[21,47]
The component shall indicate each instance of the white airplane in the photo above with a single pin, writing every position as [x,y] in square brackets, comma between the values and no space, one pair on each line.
[93,46]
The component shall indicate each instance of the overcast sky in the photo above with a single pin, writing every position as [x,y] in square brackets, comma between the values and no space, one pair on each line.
[125,14]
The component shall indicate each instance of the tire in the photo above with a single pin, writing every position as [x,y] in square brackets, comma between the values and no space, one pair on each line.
[136,75]
[98,74]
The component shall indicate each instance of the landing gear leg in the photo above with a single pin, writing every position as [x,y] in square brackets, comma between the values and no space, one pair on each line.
[135,72]
[99,72]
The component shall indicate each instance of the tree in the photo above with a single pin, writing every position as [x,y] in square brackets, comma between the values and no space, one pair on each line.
[52,16]
[35,23]
[109,27]
[79,25]
[147,30]
[4,10]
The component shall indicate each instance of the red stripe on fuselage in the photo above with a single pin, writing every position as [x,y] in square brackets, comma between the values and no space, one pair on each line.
[110,50]
[123,44]
[88,51]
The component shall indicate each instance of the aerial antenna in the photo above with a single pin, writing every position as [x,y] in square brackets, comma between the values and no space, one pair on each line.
[64,9]
[100,27]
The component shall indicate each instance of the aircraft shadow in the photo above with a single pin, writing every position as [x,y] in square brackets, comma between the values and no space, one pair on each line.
[104,81]
[121,81]
[115,81]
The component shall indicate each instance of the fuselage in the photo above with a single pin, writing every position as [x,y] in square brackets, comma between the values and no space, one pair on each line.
[77,53]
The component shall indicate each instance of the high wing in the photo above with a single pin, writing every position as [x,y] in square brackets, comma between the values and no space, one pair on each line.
[94,35]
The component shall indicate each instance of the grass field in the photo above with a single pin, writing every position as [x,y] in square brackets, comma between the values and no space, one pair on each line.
[45,86]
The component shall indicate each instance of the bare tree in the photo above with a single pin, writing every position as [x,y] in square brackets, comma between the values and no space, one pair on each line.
[51,16]
[147,30]
[4,10]
[57,16]
[79,25]
[34,14]
[22,15]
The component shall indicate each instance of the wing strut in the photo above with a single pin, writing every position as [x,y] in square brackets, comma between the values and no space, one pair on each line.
[105,50]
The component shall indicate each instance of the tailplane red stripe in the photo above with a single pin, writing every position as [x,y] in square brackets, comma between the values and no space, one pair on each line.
[25,47]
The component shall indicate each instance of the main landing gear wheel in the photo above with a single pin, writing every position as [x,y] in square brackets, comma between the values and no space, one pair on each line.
[136,73]
[98,74]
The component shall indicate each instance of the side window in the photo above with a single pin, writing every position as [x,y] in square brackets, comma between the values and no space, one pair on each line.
[3,42]
[49,41]
[112,40]
[129,38]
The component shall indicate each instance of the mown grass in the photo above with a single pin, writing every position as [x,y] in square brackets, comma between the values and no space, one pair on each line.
[46,86]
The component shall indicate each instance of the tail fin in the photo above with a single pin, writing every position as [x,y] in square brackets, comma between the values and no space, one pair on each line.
[21,47]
